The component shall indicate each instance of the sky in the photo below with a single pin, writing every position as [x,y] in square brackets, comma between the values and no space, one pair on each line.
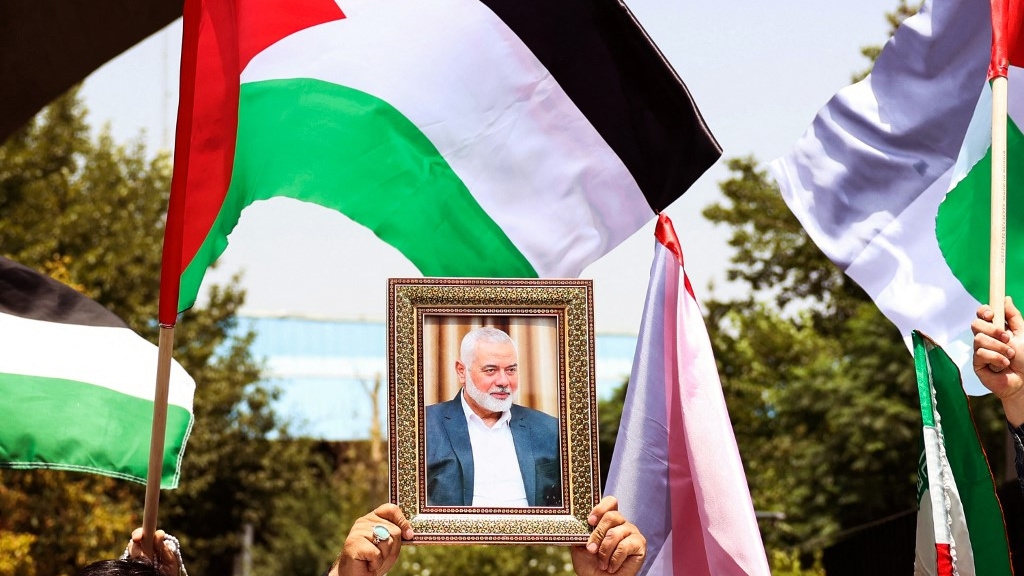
[757,70]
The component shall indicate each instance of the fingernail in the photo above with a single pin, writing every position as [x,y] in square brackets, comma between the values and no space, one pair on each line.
[592,547]
[592,520]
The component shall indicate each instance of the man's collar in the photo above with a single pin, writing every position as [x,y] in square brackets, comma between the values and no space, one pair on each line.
[505,418]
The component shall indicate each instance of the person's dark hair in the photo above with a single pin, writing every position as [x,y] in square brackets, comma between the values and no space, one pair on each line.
[133,567]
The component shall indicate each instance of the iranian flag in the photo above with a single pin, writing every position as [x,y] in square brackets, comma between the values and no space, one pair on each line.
[960,527]
[77,385]
[893,178]
[498,138]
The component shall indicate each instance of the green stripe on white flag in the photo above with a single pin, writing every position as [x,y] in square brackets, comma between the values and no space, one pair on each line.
[867,179]
[79,397]
[479,163]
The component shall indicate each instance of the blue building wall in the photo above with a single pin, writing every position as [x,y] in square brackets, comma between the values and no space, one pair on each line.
[326,369]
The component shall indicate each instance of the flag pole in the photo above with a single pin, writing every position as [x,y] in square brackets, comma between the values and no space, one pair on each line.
[997,247]
[157,436]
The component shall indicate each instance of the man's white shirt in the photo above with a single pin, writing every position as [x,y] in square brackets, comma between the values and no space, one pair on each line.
[497,479]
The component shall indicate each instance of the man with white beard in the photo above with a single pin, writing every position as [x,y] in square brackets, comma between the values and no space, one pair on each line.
[483,450]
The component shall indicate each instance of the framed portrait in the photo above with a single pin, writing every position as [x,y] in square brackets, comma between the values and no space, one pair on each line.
[492,417]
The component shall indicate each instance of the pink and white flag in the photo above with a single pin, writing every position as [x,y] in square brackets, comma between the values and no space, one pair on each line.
[676,470]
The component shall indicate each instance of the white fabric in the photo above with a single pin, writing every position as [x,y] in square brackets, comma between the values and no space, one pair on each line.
[676,469]
[114,358]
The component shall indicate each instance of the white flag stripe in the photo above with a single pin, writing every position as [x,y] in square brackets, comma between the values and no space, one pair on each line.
[115,358]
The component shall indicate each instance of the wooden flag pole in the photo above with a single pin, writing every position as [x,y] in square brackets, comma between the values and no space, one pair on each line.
[157,436]
[997,248]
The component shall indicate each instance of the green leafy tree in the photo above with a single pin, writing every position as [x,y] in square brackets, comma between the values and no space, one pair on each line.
[820,385]
[90,212]
[609,413]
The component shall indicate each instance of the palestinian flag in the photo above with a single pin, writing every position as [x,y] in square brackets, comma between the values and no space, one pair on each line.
[964,219]
[960,527]
[892,179]
[77,385]
[494,138]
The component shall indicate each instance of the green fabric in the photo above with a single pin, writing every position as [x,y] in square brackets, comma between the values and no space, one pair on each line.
[83,427]
[962,223]
[348,151]
[967,462]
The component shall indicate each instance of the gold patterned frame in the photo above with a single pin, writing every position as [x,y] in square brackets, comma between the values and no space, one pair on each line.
[569,306]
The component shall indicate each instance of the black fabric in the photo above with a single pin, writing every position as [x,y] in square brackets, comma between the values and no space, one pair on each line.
[604,60]
[29,294]
[47,46]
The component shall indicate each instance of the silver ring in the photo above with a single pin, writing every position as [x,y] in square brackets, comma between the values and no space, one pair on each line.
[380,534]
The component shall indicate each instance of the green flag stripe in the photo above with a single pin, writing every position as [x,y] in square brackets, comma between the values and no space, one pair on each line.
[970,469]
[962,224]
[348,151]
[90,429]
[924,393]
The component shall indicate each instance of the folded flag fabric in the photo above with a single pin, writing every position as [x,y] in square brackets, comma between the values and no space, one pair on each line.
[892,179]
[960,527]
[676,470]
[77,385]
[497,138]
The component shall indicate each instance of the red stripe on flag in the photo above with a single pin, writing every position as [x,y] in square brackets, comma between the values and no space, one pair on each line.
[1007,43]
[686,544]
[680,477]
[944,560]
[665,233]
[202,91]
[264,22]
[216,46]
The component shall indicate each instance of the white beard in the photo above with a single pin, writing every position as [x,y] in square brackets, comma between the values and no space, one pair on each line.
[485,400]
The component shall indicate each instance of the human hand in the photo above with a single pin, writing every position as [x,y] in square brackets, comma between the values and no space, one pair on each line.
[999,358]
[167,555]
[360,556]
[616,546]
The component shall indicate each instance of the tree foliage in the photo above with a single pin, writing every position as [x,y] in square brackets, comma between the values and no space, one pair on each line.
[90,212]
[820,386]
[823,397]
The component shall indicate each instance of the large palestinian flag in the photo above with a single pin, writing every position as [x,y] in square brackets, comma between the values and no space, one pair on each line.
[500,138]
[892,179]
[77,385]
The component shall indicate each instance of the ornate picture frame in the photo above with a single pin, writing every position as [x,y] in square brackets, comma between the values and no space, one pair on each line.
[550,325]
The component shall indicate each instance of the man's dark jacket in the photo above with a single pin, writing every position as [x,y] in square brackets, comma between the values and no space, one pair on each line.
[450,456]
